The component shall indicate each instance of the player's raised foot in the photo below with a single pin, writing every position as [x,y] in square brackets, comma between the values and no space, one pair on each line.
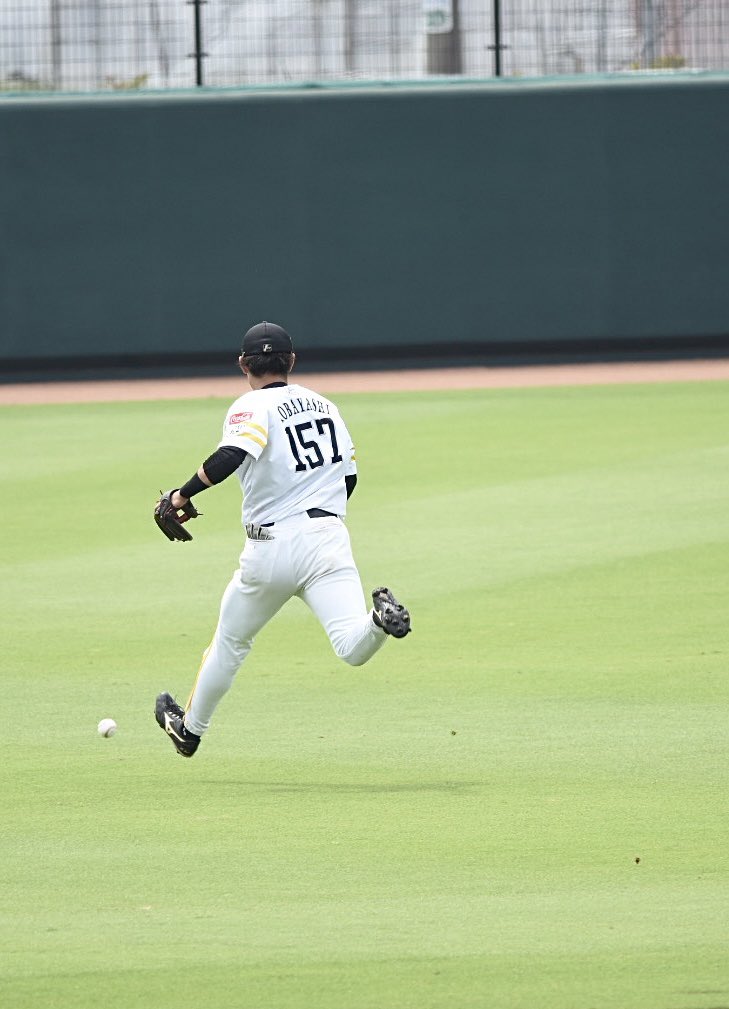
[171,717]
[389,614]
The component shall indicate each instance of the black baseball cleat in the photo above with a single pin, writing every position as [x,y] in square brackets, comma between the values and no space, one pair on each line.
[388,614]
[170,717]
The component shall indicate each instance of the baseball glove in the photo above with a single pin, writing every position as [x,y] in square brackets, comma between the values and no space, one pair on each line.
[170,519]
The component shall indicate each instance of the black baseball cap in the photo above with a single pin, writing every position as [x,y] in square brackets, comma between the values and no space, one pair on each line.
[266,338]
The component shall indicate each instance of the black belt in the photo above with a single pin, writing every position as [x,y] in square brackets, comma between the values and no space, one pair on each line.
[313,513]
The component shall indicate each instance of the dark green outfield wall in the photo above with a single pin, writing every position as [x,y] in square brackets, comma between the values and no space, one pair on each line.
[464,214]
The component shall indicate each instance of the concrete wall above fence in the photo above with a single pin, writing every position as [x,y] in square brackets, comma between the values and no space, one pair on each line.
[478,215]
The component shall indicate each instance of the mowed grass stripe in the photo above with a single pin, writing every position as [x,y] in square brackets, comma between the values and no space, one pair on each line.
[456,823]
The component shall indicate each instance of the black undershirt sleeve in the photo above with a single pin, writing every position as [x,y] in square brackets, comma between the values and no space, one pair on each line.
[350,483]
[223,462]
[218,467]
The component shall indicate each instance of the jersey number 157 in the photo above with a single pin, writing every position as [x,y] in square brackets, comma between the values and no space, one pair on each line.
[307,451]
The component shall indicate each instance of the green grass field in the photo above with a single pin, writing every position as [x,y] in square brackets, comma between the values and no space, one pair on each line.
[521,806]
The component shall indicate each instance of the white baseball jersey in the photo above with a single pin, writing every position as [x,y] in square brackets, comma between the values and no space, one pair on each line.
[299,452]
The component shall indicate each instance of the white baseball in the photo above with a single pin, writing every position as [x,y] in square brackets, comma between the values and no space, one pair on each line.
[106,727]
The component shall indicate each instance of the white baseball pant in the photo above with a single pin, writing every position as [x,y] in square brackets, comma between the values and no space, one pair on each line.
[307,557]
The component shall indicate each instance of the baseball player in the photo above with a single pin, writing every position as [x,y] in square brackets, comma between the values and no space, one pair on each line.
[295,460]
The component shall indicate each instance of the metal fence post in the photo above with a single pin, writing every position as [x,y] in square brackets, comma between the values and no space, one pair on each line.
[198,55]
[497,45]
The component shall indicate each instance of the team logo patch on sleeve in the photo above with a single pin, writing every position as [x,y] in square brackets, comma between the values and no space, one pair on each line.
[240,418]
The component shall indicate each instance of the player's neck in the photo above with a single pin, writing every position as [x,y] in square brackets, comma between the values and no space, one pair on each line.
[261,381]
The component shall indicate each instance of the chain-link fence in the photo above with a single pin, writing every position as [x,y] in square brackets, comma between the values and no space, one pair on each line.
[89,45]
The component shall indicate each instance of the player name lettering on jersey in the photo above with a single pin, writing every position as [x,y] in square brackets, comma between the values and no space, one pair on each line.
[298,405]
